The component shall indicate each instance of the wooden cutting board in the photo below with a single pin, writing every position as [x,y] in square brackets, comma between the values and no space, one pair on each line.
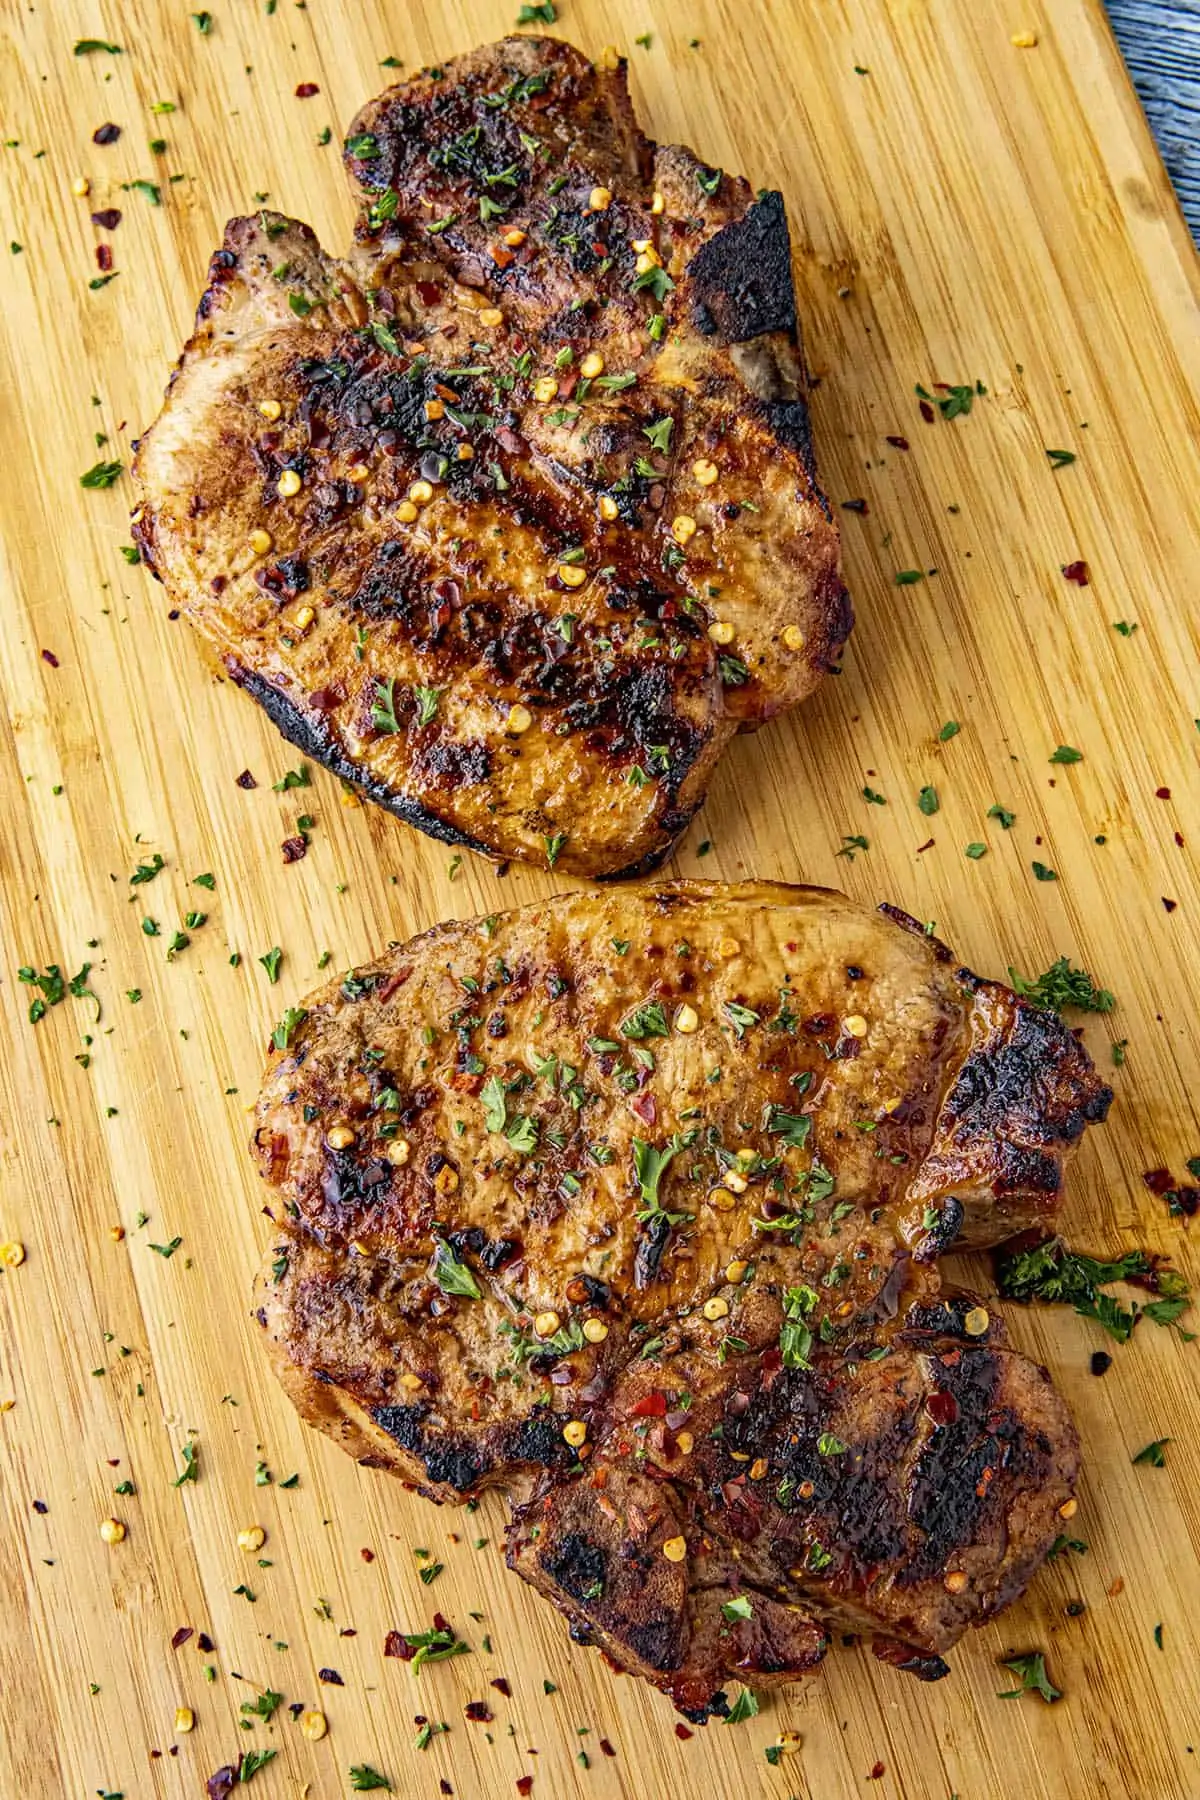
[963,210]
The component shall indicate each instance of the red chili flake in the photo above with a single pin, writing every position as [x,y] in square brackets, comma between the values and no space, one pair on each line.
[1162,793]
[108,219]
[49,656]
[294,848]
[927,412]
[39,1506]
[1179,839]
[1158,1180]
[330,1677]
[348,1631]
[1076,572]
[106,134]
[479,1712]
[306,90]
[1101,1362]
[877,1772]
[1169,904]
[246,780]
[394,1645]
[856,506]
[220,1785]
[898,443]
[104,257]
[650,1406]
[646,1108]
[524,1783]
[367,1555]
[682,1732]
[927,845]
[205,1644]
[606,1748]
[501,1686]
[444,1786]
[182,1636]
[942,1407]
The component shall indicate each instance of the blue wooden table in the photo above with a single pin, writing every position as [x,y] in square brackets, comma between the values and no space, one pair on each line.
[1160,40]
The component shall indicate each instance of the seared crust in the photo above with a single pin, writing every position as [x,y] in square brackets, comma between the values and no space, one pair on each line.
[542,567]
[644,1123]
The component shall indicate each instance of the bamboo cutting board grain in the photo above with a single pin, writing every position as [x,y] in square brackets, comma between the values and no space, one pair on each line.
[962,209]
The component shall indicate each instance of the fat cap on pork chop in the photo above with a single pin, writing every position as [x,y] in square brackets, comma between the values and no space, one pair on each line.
[630,1203]
[501,518]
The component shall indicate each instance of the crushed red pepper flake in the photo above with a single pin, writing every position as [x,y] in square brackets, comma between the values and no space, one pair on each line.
[108,218]
[182,1635]
[682,1732]
[1163,793]
[246,780]
[1078,573]
[108,133]
[898,443]
[1169,904]
[49,657]
[306,90]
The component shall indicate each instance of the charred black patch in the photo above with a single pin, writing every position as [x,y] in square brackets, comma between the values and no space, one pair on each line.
[538,1439]
[937,1238]
[578,1566]
[974,1444]
[456,1463]
[348,1182]
[942,1317]
[392,586]
[651,1243]
[448,765]
[1034,1085]
[286,578]
[741,279]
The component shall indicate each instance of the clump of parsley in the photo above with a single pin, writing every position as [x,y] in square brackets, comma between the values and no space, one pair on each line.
[1062,985]
[1052,1272]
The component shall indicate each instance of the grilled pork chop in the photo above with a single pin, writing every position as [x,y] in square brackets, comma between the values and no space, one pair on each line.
[630,1203]
[511,517]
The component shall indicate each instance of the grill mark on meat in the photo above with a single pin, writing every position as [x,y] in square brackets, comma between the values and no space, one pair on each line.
[316,740]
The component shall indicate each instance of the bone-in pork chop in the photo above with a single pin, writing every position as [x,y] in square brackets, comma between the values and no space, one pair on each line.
[631,1203]
[511,516]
